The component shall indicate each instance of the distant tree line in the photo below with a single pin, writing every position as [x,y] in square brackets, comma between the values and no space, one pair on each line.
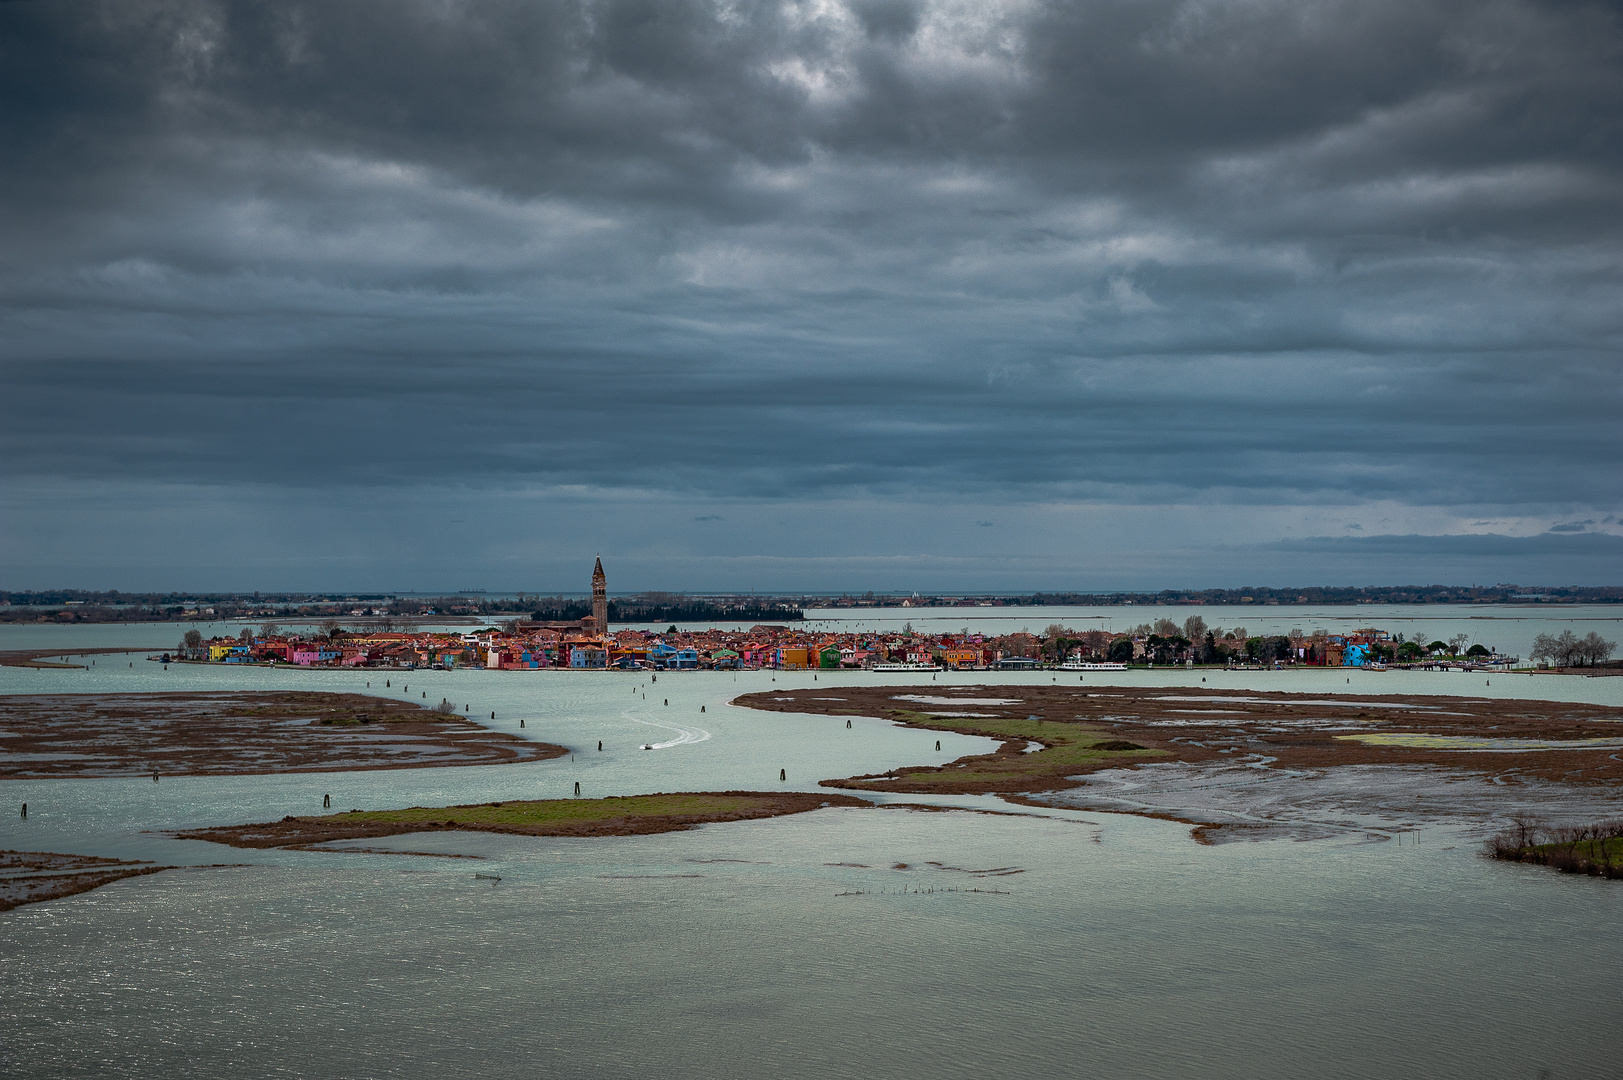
[665,608]
[1322,594]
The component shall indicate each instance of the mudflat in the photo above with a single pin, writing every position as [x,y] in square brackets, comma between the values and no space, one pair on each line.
[239,733]
[30,877]
[1085,730]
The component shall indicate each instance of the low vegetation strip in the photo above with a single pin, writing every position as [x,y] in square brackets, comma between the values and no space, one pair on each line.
[1596,849]
[628,815]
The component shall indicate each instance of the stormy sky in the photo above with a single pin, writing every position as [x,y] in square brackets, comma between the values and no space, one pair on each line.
[444,294]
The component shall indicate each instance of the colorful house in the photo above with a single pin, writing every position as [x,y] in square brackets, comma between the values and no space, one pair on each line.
[588,656]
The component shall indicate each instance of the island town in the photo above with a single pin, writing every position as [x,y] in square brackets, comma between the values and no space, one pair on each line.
[523,645]
[591,643]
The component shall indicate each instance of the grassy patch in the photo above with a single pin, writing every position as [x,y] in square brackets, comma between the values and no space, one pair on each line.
[544,812]
[1595,849]
[1067,749]
[629,815]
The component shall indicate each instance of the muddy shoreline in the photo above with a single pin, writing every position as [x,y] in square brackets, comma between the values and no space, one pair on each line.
[37,658]
[33,877]
[227,733]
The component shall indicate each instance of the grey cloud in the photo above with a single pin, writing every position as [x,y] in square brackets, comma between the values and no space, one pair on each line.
[1596,547]
[1572,526]
[1273,253]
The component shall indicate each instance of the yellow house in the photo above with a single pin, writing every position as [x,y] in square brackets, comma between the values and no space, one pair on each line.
[220,650]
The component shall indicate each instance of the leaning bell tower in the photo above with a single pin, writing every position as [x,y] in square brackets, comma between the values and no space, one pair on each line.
[600,599]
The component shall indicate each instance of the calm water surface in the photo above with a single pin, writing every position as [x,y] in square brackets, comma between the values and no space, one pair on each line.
[1120,948]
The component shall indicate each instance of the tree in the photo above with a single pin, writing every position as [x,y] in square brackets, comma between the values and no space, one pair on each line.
[332,628]
[1057,641]
[1478,650]
[1456,643]
[1166,628]
[1570,650]
[1409,651]
[269,630]
[1438,647]
[1544,647]
[1597,650]
[1194,628]
[1121,650]
[1565,648]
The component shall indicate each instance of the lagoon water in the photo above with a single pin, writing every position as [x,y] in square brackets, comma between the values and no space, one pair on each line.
[842,943]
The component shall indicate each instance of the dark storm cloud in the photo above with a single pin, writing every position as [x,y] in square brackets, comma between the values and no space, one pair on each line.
[1154,251]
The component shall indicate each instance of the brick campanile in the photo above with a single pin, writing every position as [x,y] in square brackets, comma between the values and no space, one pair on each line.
[600,599]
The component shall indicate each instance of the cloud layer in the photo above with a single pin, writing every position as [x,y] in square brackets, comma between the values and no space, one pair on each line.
[1250,270]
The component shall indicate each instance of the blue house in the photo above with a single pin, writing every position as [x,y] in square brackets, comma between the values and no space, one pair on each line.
[1355,656]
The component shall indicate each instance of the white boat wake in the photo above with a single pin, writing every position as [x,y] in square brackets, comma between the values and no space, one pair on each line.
[684,735]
